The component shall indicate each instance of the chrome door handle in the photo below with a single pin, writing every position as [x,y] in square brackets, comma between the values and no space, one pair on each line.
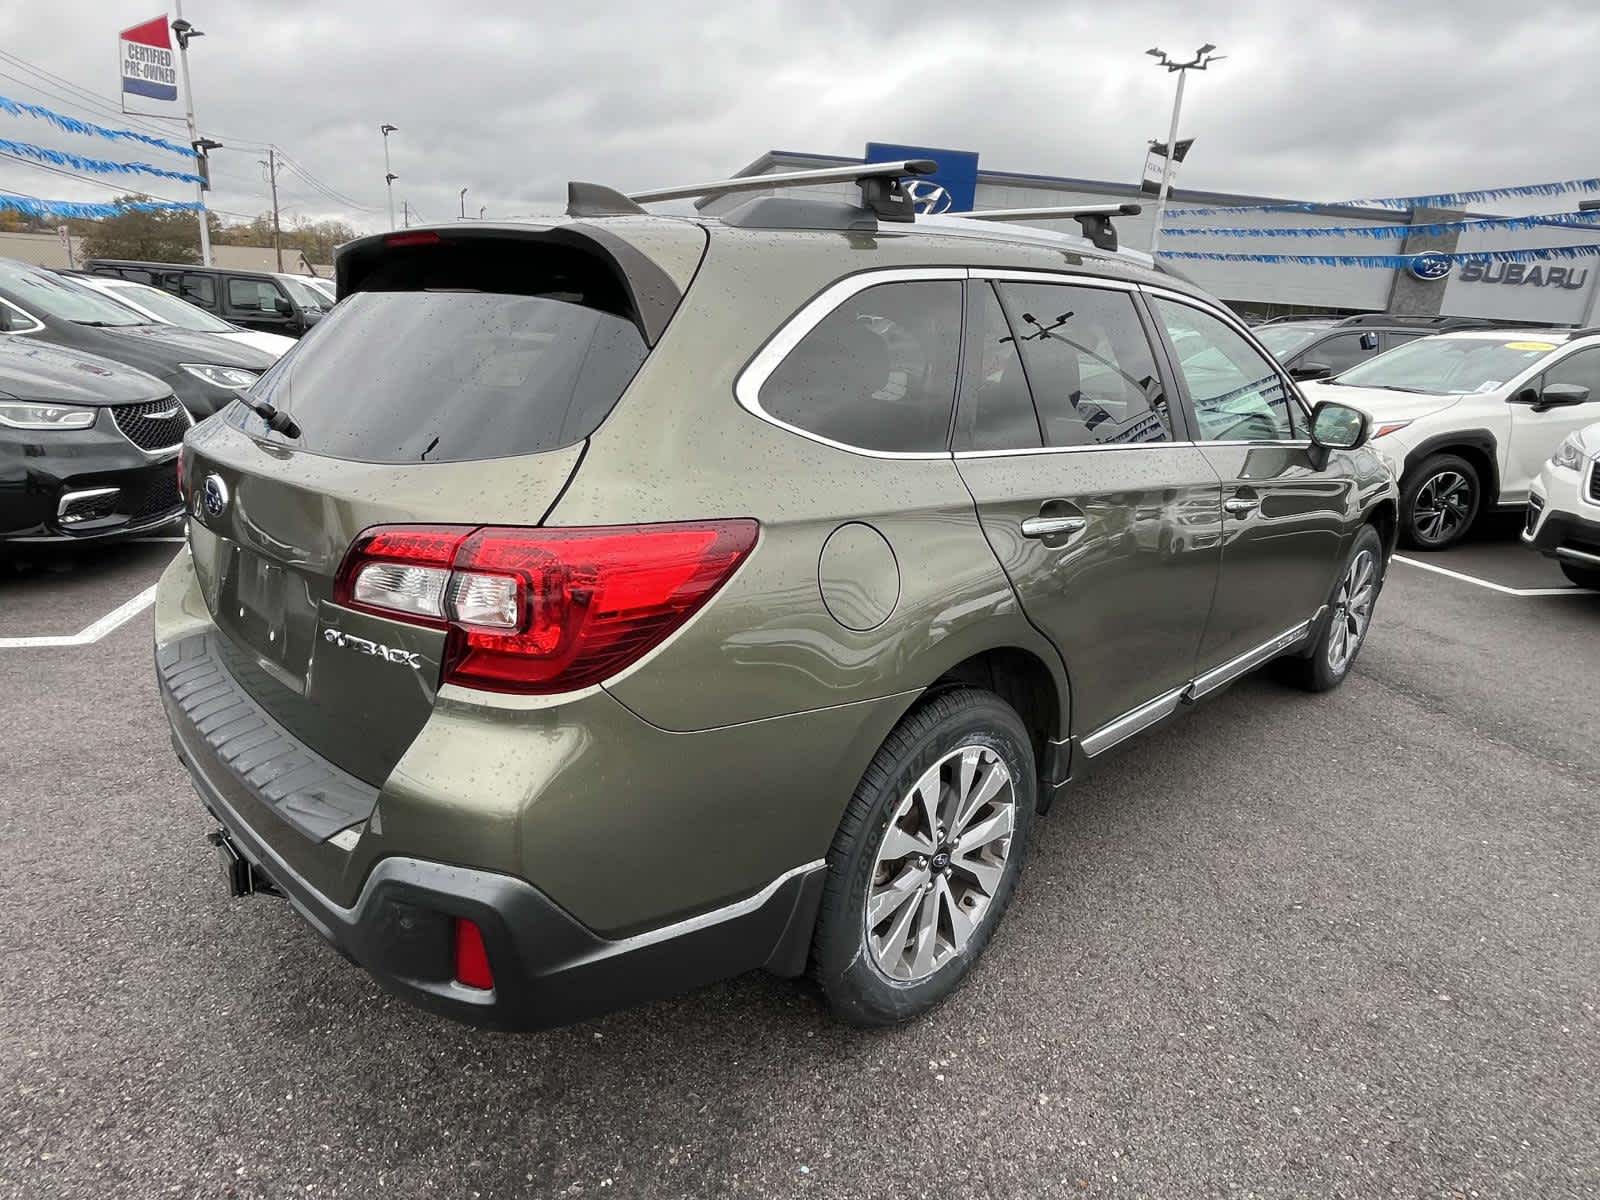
[1240,506]
[1043,527]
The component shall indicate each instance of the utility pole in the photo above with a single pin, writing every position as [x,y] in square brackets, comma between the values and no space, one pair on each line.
[405,213]
[272,178]
[1202,59]
[388,176]
[185,31]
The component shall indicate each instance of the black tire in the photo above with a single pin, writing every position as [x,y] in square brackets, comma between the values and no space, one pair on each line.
[1320,671]
[1439,500]
[1584,577]
[857,988]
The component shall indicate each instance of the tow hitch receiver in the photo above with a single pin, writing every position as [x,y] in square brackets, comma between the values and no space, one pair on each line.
[239,875]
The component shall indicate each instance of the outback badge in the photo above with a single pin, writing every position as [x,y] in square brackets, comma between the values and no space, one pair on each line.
[349,641]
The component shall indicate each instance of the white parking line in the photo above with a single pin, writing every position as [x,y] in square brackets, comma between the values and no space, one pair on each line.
[1496,587]
[117,617]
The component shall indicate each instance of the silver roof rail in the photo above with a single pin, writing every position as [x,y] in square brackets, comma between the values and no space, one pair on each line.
[1095,218]
[880,185]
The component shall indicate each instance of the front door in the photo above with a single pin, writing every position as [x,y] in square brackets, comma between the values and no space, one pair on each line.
[1535,435]
[1284,518]
[1104,517]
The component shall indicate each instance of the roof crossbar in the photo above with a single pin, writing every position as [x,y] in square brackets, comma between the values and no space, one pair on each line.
[1095,218]
[879,182]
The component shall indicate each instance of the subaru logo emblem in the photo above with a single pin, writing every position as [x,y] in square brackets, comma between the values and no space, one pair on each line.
[213,496]
[928,199]
[1429,266]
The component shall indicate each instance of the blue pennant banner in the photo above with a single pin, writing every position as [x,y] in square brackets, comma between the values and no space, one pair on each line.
[84,211]
[1392,262]
[99,166]
[21,108]
[1437,229]
[1561,187]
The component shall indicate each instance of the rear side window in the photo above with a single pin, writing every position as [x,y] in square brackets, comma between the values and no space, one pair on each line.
[450,376]
[996,408]
[198,289]
[1342,352]
[1093,373]
[878,372]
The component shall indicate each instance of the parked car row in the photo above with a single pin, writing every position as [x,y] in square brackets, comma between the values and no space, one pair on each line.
[99,379]
[270,301]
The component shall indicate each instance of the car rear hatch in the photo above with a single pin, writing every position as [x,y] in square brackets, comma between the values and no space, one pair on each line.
[456,385]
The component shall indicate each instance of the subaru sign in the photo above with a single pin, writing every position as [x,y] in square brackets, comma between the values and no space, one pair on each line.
[1429,266]
[957,175]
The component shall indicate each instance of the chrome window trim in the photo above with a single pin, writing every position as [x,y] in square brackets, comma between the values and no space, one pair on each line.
[1091,449]
[1241,328]
[20,311]
[1051,275]
[747,386]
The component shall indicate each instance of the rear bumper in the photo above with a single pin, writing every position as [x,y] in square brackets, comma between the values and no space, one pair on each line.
[549,968]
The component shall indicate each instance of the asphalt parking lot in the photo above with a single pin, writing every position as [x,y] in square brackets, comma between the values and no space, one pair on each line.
[1288,946]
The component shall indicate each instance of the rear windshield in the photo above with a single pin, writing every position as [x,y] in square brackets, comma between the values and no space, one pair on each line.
[451,375]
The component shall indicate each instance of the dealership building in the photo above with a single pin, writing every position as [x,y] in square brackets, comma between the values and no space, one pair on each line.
[1555,292]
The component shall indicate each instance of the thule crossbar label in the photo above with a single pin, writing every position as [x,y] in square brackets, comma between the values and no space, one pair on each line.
[349,641]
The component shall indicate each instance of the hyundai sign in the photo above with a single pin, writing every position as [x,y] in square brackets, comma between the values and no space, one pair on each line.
[957,173]
[149,68]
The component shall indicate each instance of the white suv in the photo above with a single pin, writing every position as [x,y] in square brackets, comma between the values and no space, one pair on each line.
[1466,420]
[1564,508]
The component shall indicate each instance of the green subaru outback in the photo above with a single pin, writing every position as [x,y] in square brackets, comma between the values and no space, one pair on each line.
[591,609]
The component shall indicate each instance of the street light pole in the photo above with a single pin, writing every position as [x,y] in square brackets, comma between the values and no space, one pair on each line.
[463,204]
[1202,59]
[185,31]
[388,176]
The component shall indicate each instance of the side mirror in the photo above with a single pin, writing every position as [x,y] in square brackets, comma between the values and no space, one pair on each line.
[1311,370]
[1369,341]
[1336,426]
[1560,395]
[282,307]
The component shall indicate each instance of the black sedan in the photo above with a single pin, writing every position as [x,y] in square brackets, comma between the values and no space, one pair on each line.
[206,372]
[88,447]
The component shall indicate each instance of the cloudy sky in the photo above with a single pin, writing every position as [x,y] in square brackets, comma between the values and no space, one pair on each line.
[1316,100]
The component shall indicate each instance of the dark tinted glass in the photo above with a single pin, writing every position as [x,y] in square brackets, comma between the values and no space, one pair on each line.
[1582,368]
[1339,353]
[254,295]
[1237,394]
[996,409]
[199,289]
[1093,374]
[451,376]
[878,372]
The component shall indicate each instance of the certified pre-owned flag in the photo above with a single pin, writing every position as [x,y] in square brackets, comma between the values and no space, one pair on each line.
[149,69]
[1156,161]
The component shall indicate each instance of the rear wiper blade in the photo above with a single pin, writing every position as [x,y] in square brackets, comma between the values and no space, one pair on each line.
[277,420]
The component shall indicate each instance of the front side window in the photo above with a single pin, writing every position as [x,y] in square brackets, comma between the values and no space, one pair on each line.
[878,372]
[199,289]
[1237,394]
[1582,368]
[254,295]
[1092,372]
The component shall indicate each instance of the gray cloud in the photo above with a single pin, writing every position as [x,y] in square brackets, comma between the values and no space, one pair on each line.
[1314,100]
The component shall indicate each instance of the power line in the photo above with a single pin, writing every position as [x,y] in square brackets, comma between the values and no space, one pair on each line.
[328,190]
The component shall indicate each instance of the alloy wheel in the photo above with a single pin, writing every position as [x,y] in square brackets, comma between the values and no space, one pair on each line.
[1442,507]
[1352,610]
[940,863]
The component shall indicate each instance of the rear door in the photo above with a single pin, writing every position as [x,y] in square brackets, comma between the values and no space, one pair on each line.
[1102,513]
[457,385]
[1284,519]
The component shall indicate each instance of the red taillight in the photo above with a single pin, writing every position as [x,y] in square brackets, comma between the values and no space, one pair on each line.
[421,237]
[472,960]
[536,611]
